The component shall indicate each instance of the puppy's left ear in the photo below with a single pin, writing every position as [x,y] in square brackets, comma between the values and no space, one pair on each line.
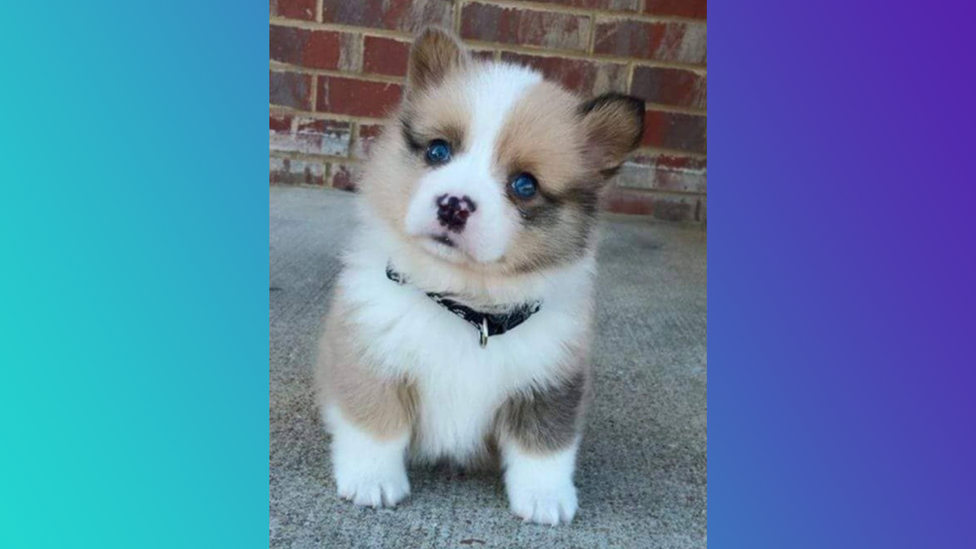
[435,53]
[613,124]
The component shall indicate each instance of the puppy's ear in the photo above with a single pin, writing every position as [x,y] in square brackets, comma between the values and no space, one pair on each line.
[613,125]
[435,54]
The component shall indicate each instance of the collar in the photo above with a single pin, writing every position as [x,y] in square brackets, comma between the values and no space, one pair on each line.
[487,324]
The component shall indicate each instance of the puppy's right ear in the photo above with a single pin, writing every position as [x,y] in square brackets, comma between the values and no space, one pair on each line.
[435,54]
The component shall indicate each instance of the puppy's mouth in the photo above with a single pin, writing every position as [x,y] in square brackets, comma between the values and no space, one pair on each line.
[444,247]
[443,239]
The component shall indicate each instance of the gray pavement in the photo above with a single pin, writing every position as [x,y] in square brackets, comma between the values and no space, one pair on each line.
[642,464]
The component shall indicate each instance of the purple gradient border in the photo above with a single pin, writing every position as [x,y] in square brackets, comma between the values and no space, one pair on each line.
[841,305]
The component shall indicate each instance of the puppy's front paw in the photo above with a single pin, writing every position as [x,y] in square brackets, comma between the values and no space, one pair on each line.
[375,488]
[543,504]
[367,470]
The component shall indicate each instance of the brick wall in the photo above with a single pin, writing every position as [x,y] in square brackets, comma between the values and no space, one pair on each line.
[338,65]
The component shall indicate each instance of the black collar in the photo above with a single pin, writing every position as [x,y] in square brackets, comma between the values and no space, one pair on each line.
[487,324]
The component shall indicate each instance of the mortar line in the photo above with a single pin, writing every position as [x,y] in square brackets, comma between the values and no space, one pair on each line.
[670,192]
[279,110]
[361,53]
[643,151]
[314,95]
[458,8]
[277,66]
[353,138]
[670,152]
[675,109]
[592,38]
[338,27]
[555,8]
[308,157]
[567,54]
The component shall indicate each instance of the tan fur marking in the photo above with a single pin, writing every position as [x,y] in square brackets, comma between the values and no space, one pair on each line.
[443,112]
[383,407]
[542,136]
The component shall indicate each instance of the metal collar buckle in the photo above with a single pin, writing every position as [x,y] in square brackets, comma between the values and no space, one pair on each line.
[483,332]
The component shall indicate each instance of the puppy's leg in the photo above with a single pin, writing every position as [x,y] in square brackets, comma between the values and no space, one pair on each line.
[368,470]
[370,420]
[539,434]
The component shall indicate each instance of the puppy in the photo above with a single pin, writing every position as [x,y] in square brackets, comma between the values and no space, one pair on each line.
[461,321]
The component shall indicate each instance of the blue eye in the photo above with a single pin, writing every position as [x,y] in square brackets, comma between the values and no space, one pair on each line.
[524,185]
[438,152]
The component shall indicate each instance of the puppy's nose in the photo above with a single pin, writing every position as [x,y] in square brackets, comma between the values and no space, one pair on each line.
[453,211]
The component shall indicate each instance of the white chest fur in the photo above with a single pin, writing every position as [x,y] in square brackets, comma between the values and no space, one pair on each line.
[459,384]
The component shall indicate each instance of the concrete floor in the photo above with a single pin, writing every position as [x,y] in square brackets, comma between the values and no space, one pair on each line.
[642,465]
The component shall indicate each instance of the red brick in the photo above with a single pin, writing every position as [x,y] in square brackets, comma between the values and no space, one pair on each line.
[294,9]
[668,130]
[290,89]
[525,27]
[677,42]
[402,15]
[280,123]
[617,5]
[681,8]
[668,207]
[343,177]
[289,171]
[385,56]
[676,87]
[356,97]
[586,77]
[313,49]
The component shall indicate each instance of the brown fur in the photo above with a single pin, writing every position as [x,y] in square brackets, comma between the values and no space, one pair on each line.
[542,136]
[434,54]
[613,125]
[383,407]
[438,113]
[547,419]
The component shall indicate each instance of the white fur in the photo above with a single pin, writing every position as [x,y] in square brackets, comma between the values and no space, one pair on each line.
[491,94]
[459,384]
[540,488]
[367,471]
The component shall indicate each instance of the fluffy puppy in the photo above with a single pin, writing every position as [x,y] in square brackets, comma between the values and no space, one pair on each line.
[461,321]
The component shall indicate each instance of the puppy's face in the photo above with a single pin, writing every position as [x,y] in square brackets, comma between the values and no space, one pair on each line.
[492,168]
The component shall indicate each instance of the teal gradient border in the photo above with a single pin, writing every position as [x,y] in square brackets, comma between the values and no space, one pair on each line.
[134,346]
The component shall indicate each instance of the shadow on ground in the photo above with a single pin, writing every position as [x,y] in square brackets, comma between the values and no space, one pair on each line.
[642,465]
